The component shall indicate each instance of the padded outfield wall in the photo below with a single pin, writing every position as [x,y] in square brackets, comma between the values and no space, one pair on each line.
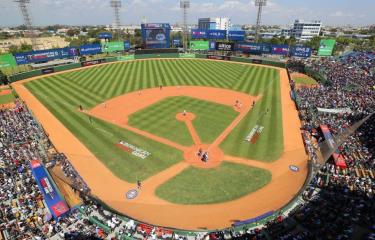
[38,72]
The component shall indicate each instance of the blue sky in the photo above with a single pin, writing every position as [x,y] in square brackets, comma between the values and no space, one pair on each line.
[283,12]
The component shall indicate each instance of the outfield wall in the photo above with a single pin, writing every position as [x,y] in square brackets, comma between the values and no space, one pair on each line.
[39,72]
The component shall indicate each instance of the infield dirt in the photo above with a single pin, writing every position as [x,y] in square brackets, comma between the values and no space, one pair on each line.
[148,207]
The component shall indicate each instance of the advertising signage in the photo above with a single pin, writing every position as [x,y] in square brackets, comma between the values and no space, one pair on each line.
[112,46]
[126,45]
[252,48]
[236,35]
[224,46]
[156,35]
[105,35]
[300,51]
[280,49]
[217,34]
[177,42]
[199,45]
[212,46]
[45,55]
[326,47]
[199,33]
[7,60]
[90,49]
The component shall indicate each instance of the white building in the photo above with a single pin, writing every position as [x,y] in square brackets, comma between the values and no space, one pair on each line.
[306,30]
[214,23]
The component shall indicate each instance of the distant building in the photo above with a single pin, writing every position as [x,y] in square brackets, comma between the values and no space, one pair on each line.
[214,23]
[286,32]
[305,30]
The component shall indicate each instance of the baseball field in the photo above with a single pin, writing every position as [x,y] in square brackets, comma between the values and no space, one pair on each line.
[147,120]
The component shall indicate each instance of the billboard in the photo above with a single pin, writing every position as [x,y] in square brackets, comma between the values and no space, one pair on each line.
[236,35]
[90,49]
[112,46]
[45,55]
[253,48]
[300,51]
[199,33]
[217,34]
[105,35]
[7,60]
[156,35]
[55,202]
[280,49]
[212,46]
[326,47]
[177,42]
[199,45]
[126,45]
[224,46]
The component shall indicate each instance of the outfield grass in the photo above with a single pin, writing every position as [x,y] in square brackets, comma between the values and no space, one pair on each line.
[269,145]
[202,186]
[62,94]
[160,119]
[304,80]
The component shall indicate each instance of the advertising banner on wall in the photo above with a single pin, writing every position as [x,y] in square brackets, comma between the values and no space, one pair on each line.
[224,46]
[326,47]
[112,46]
[280,49]
[90,49]
[199,33]
[252,48]
[7,60]
[199,45]
[217,34]
[126,45]
[55,202]
[45,55]
[212,46]
[156,35]
[300,51]
[236,35]
[177,42]
[105,35]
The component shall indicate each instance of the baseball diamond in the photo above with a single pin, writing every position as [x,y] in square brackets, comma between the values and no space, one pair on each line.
[176,129]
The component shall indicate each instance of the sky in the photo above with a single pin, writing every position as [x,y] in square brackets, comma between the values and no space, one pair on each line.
[279,12]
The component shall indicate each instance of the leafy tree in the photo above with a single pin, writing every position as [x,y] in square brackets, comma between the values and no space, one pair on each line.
[314,43]
[25,47]
[72,32]
[3,78]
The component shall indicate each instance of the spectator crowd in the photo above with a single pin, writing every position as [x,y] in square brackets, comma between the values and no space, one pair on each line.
[337,204]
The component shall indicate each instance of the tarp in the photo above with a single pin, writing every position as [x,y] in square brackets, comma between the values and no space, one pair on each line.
[55,203]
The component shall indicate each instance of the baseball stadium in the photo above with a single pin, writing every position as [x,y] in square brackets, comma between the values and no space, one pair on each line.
[218,138]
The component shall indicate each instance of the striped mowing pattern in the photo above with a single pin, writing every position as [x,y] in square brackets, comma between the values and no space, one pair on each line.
[62,94]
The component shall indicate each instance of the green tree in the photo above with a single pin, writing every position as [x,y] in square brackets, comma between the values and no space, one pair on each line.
[25,47]
[314,43]
[72,32]
[3,78]
[291,41]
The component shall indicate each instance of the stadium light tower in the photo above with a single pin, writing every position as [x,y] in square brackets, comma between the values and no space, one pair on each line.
[116,4]
[23,6]
[260,4]
[185,5]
